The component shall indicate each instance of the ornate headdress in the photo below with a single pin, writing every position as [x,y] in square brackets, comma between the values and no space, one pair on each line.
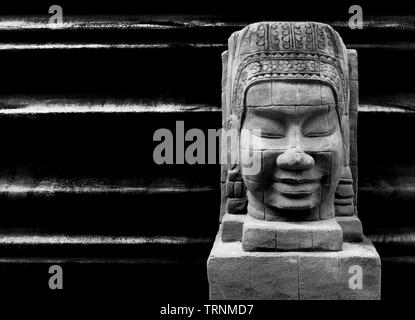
[286,51]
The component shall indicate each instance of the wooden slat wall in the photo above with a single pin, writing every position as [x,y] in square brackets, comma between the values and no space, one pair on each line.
[79,104]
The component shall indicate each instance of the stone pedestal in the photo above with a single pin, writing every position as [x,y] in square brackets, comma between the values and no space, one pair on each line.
[323,235]
[352,273]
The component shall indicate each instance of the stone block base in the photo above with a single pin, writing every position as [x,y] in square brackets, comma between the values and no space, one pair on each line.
[352,228]
[324,235]
[353,273]
[232,225]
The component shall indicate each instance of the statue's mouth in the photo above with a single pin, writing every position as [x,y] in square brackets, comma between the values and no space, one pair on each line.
[295,181]
[296,188]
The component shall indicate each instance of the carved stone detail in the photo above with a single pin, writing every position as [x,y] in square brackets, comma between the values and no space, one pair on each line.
[297,84]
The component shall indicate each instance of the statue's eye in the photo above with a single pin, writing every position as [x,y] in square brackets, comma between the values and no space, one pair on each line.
[317,134]
[320,132]
[265,127]
[266,133]
[271,135]
[318,126]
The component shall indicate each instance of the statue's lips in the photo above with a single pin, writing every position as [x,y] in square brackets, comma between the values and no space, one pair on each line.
[296,187]
[294,181]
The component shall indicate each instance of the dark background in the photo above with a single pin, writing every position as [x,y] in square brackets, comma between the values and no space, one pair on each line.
[69,180]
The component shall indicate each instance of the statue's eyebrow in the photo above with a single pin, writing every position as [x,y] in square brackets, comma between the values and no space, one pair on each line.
[271,111]
[313,110]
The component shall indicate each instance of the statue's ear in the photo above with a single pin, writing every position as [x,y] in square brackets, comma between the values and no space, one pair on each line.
[234,193]
[346,193]
[345,123]
[344,196]
[232,141]
[235,187]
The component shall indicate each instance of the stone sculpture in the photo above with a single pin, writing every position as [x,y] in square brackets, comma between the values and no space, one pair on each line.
[290,230]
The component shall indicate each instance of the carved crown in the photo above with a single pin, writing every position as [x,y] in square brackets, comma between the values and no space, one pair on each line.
[287,51]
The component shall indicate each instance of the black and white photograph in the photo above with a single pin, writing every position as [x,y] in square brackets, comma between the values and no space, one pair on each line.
[208,160]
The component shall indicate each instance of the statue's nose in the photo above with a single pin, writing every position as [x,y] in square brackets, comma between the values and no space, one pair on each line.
[295,159]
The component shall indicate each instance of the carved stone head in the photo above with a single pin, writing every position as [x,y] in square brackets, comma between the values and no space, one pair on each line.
[287,88]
